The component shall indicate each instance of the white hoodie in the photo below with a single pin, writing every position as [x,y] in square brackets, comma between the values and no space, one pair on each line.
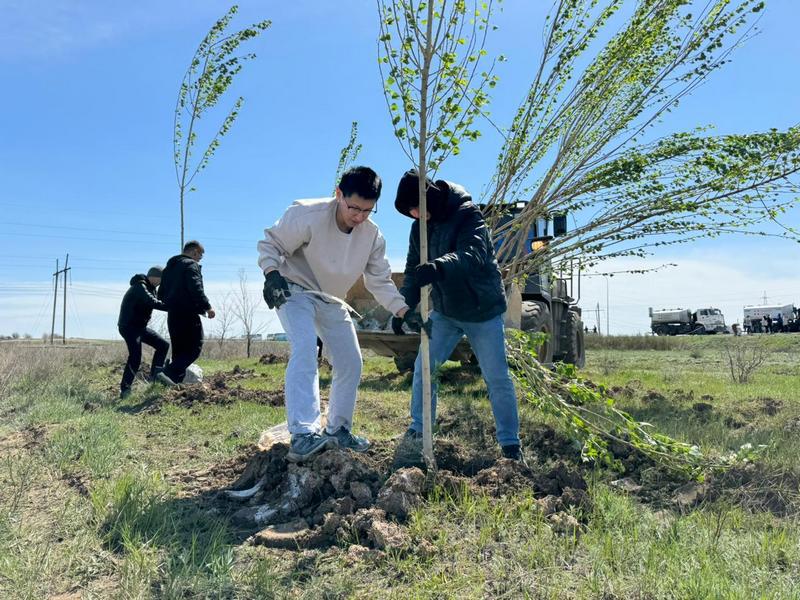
[307,247]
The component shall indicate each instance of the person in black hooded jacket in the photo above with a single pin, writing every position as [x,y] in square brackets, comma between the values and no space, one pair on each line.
[182,291]
[468,297]
[134,315]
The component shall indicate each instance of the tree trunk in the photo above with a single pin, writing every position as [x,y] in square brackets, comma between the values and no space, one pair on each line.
[422,169]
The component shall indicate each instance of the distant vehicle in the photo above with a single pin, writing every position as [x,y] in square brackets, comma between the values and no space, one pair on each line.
[754,317]
[277,337]
[676,321]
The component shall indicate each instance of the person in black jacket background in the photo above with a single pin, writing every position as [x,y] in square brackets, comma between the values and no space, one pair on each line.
[182,291]
[134,315]
[467,294]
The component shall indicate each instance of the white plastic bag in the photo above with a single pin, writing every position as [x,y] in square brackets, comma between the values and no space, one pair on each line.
[194,374]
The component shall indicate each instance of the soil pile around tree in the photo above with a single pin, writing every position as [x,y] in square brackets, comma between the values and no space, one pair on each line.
[341,497]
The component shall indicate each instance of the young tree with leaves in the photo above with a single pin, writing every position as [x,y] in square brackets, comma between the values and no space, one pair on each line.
[347,155]
[211,72]
[577,142]
[430,57]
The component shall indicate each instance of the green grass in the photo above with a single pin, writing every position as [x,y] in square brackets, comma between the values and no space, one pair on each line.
[90,502]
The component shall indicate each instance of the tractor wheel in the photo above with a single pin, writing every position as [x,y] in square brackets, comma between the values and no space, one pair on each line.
[574,351]
[405,362]
[536,319]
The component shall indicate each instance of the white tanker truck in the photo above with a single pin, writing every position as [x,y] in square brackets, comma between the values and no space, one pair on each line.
[676,321]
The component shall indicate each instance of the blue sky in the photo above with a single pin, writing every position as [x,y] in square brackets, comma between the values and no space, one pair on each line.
[86,149]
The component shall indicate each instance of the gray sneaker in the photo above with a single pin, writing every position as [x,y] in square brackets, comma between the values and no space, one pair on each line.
[346,439]
[306,445]
[163,379]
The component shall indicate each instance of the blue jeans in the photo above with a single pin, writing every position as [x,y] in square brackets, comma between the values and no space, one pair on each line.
[487,339]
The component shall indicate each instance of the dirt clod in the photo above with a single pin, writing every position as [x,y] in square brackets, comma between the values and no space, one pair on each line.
[564,523]
[654,396]
[702,408]
[270,359]
[627,484]
[291,535]
[770,406]
[402,492]
[690,494]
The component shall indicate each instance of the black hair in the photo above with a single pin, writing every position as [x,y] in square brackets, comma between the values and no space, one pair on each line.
[193,245]
[408,193]
[362,181]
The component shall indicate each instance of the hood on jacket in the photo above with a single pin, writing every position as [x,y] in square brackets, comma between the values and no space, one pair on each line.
[442,198]
[178,258]
[139,277]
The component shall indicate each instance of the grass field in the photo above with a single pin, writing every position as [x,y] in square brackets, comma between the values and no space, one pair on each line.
[108,499]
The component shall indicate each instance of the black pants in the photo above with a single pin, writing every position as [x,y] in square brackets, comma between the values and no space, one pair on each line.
[134,338]
[186,335]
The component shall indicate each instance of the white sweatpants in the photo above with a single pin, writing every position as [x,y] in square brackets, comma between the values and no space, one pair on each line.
[304,317]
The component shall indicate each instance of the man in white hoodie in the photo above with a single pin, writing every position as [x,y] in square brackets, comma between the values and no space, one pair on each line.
[311,258]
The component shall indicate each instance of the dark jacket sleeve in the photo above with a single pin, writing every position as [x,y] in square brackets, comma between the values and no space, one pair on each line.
[145,298]
[472,251]
[194,287]
[410,289]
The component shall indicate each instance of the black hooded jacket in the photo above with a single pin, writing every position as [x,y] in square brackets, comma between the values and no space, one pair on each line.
[460,246]
[181,286]
[138,304]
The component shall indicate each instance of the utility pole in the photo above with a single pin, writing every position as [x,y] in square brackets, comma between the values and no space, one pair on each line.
[55,300]
[608,310]
[55,297]
[765,297]
[64,322]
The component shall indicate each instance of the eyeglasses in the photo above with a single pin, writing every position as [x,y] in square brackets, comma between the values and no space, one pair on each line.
[357,210]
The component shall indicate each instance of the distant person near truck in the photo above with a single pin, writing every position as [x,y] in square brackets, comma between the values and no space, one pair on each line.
[310,258]
[468,298]
[134,315]
[182,291]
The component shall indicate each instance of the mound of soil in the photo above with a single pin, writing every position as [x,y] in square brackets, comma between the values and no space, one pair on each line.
[271,359]
[363,499]
[770,406]
[216,391]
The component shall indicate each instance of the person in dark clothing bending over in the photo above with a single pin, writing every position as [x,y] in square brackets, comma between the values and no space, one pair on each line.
[468,298]
[182,291]
[134,315]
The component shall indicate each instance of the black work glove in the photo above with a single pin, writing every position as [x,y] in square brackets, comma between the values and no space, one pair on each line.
[428,273]
[414,321]
[276,290]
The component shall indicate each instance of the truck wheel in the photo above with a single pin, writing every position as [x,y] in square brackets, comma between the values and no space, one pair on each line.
[405,362]
[574,351]
[536,319]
